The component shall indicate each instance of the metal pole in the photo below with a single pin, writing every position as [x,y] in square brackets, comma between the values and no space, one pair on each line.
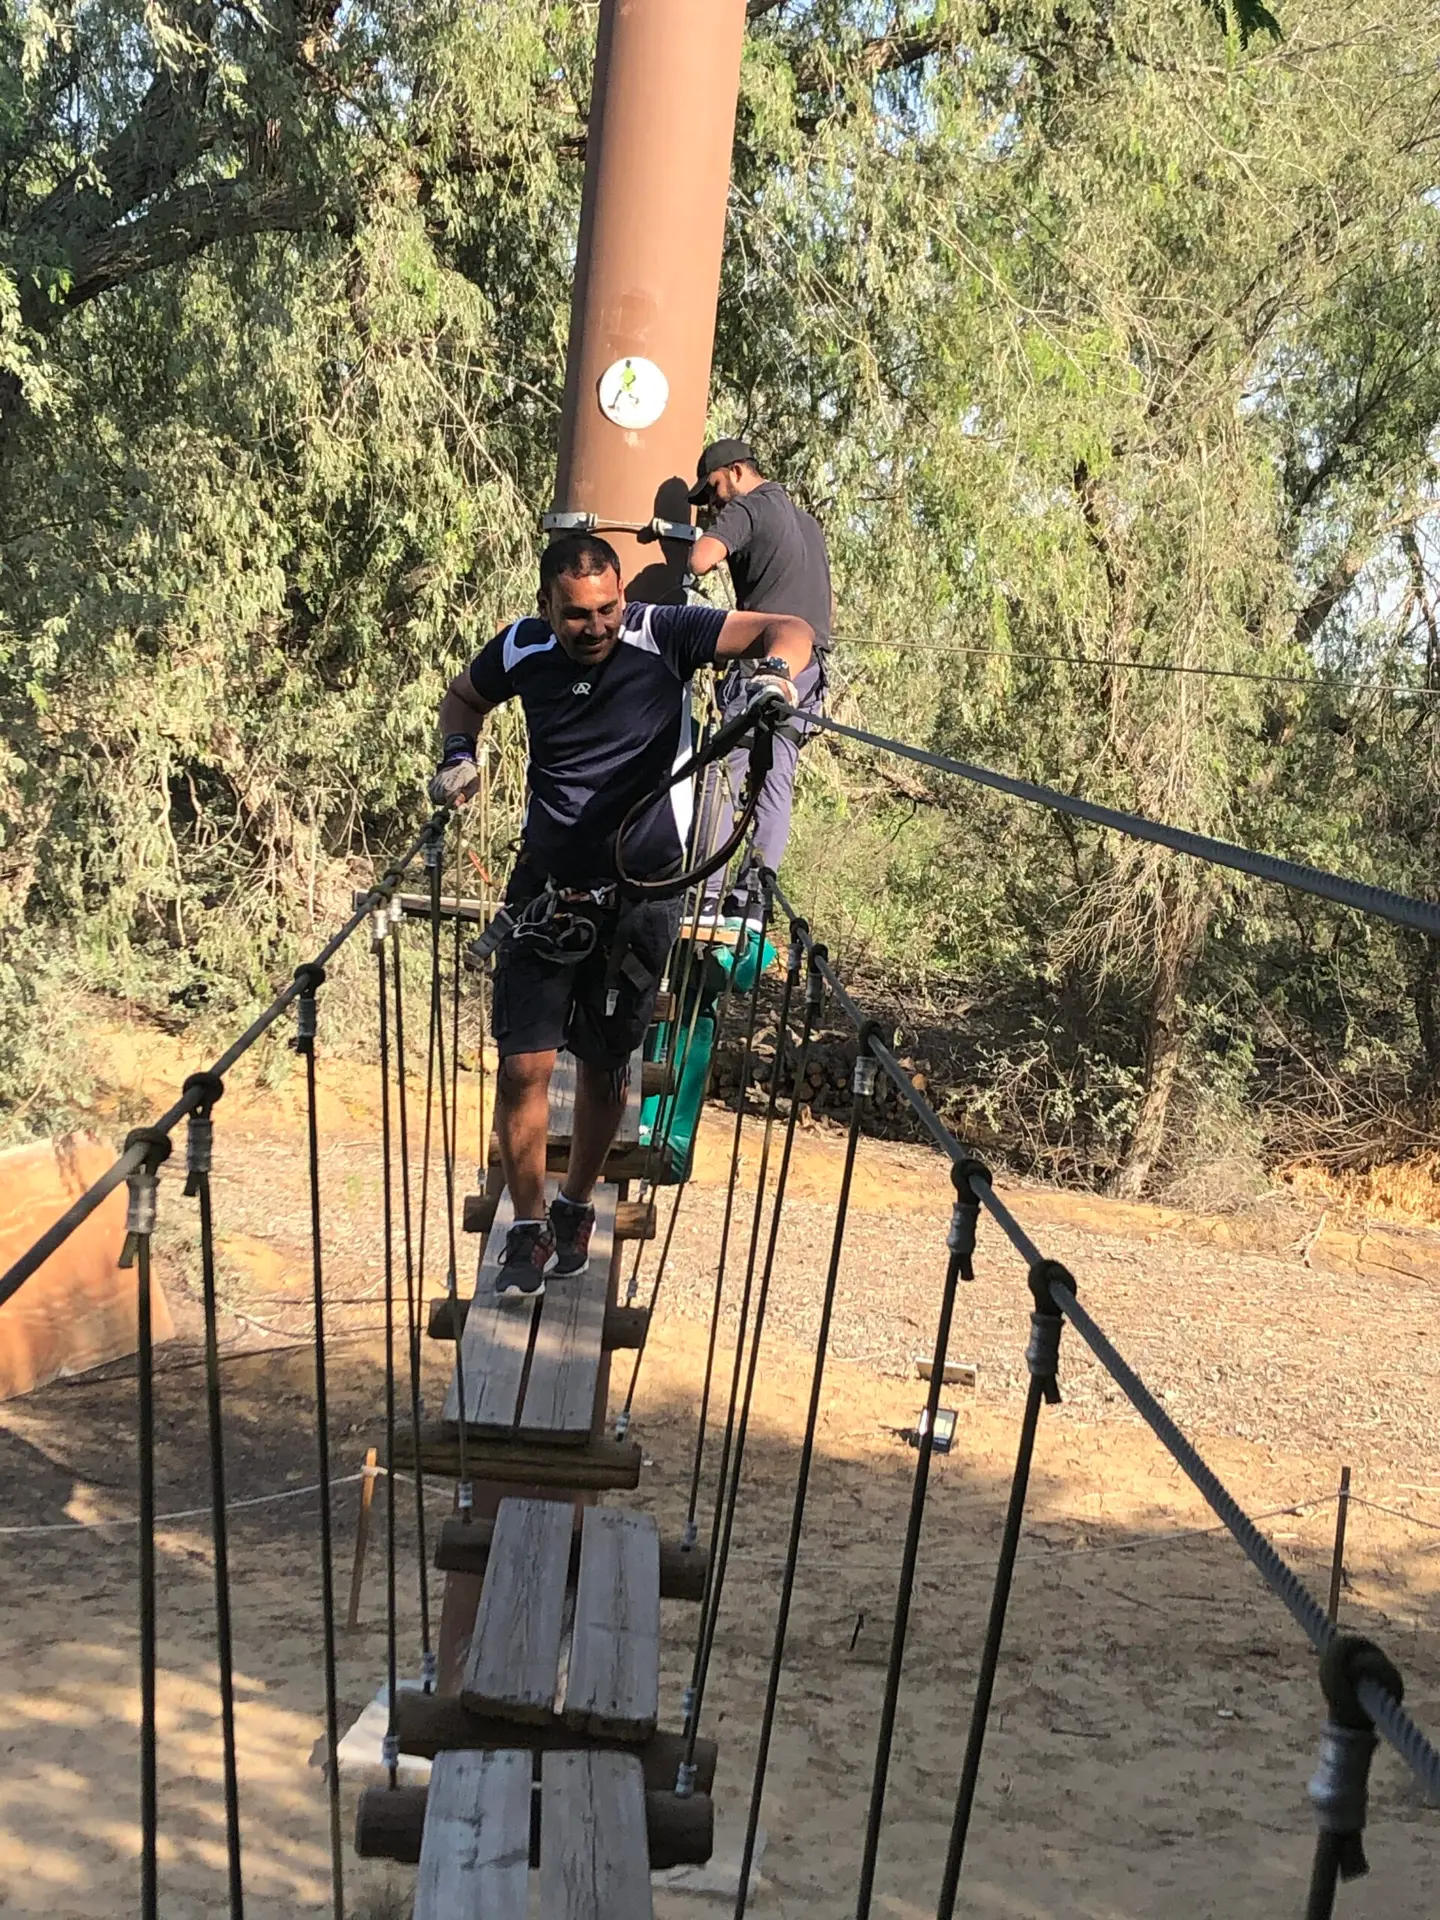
[1337,1564]
[647,272]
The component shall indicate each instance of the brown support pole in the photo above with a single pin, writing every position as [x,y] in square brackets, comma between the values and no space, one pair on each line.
[362,1536]
[647,271]
[1337,1559]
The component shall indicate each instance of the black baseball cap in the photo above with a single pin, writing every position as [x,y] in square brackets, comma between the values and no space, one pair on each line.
[720,453]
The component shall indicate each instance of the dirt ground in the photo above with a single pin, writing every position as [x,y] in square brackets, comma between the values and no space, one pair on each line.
[1156,1714]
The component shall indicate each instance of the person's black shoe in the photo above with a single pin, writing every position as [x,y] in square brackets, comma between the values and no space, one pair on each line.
[572,1223]
[528,1255]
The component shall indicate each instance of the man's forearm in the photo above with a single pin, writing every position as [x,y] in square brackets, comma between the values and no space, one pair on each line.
[785,637]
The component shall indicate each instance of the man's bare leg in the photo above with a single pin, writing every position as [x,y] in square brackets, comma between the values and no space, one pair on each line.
[522,1121]
[599,1107]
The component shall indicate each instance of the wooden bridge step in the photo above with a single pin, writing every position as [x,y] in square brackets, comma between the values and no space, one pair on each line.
[475,1846]
[594,1851]
[431,1723]
[613,1685]
[597,1465]
[532,1367]
[464,1547]
[515,1652]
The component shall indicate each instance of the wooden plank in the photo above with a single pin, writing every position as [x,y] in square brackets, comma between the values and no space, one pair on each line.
[562,1097]
[416,906]
[475,1848]
[496,1344]
[598,1465]
[614,1680]
[515,1654]
[569,1340]
[594,1853]
[431,1723]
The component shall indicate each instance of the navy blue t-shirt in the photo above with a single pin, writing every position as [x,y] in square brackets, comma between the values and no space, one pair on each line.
[603,737]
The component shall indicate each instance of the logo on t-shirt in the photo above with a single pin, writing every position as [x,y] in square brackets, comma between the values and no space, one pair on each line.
[581,686]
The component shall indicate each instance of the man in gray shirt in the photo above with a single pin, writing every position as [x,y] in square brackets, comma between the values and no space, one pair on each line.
[778,564]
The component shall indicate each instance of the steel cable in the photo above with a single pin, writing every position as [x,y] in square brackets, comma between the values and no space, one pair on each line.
[859,1103]
[145,1439]
[700,1431]
[720,1547]
[413,1305]
[1398,908]
[434,855]
[305,1045]
[387,1214]
[59,1232]
[198,1185]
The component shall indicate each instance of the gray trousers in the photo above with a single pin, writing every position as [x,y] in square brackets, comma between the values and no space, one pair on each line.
[771,831]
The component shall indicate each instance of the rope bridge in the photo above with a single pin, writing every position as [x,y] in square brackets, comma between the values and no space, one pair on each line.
[538,1693]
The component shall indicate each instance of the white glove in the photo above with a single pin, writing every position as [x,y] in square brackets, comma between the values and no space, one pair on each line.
[454,784]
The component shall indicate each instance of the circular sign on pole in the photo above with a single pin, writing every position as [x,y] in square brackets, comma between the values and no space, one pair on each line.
[633,392]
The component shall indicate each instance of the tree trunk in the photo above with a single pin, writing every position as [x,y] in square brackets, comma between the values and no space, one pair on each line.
[1181,934]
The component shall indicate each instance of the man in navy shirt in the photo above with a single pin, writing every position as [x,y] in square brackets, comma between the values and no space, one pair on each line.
[605,689]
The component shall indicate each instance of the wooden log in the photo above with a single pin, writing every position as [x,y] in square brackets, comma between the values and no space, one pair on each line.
[635,1220]
[464,1547]
[390,1823]
[664,1005]
[479,1212]
[597,1465]
[475,1841]
[594,1854]
[654,1076]
[515,1651]
[624,1326]
[624,1163]
[431,1723]
[613,1682]
[416,906]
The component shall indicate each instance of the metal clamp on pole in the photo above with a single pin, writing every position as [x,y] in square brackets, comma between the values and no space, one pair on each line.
[200,1133]
[659,528]
[1042,1355]
[309,979]
[965,1214]
[1339,1787]
[141,1184]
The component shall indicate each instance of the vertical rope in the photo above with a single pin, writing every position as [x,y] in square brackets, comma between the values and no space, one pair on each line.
[704,1638]
[413,1307]
[447,1156]
[145,1432]
[720,1547]
[197,1186]
[312,977]
[861,1087]
[387,1178]
[962,1243]
[698,1462]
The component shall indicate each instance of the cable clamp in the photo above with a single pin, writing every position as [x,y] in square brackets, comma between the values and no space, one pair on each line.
[379,926]
[815,980]
[965,1214]
[689,1536]
[141,1184]
[390,1751]
[685,1780]
[464,1498]
[432,847]
[200,1129]
[622,1423]
[1043,1353]
[309,979]
[1339,1791]
[429,1670]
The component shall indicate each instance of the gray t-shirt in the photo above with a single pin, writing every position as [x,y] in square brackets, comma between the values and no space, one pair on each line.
[776,551]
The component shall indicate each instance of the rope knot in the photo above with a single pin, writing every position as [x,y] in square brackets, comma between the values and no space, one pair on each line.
[965,1214]
[141,1183]
[1340,1786]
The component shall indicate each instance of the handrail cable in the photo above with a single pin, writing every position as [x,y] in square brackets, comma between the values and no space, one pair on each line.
[1402,910]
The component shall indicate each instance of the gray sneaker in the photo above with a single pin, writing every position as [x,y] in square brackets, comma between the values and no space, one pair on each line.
[572,1224]
[527,1256]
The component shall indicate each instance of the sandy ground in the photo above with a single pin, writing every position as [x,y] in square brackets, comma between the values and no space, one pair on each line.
[1156,1713]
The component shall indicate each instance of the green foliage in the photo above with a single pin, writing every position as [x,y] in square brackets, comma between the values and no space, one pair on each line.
[1092,334]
